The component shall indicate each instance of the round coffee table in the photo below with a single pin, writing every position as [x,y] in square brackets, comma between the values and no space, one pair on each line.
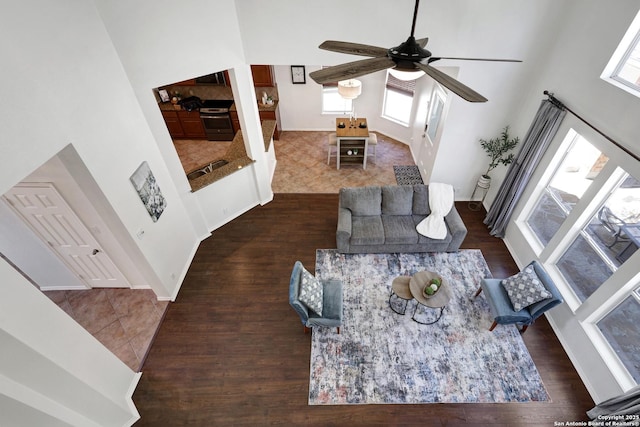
[400,288]
[438,301]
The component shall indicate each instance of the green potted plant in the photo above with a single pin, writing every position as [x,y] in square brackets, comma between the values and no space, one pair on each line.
[498,151]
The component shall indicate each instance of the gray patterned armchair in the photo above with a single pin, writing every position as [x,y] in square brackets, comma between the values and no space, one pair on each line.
[330,294]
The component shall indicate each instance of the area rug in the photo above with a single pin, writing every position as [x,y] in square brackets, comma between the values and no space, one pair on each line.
[382,357]
[407,175]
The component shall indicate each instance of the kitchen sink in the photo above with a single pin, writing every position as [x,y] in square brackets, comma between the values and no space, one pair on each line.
[207,169]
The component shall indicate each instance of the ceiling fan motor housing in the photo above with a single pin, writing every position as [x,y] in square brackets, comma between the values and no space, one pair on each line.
[407,54]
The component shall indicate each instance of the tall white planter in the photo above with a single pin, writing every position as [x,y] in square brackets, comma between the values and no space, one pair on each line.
[480,192]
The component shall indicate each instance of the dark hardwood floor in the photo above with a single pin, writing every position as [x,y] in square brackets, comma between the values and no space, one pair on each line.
[231,351]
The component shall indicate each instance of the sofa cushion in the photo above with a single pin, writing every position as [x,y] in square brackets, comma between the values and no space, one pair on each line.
[311,292]
[421,200]
[397,200]
[426,240]
[399,229]
[362,201]
[525,288]
[367,230]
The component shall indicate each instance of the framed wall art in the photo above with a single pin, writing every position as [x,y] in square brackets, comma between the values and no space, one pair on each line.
[298,74]
[145,184]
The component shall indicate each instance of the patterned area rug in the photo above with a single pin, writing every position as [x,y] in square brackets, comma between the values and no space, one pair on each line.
[382,357]
[407,175]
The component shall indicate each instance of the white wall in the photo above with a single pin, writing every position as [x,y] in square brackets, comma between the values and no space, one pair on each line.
[55,367]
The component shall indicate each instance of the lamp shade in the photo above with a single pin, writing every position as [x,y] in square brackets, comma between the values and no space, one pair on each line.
[405,75]
[349,89]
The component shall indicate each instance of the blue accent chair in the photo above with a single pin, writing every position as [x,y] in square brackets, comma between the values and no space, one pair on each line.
[501,306]
[331,302]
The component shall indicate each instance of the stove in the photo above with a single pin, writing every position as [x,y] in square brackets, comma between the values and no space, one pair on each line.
[216,105]
[216,120]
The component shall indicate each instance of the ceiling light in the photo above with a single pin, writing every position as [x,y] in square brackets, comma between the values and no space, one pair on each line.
[350,89]
[405,75]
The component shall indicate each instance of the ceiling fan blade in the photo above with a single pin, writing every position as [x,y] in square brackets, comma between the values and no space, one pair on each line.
[422,42]
[437,58]
[354,48]
[351,70]
[452,84]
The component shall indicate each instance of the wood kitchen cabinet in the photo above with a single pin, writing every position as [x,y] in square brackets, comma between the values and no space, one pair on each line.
[262,75]
[184,124]
[235,121]
[173,124]
[191,124]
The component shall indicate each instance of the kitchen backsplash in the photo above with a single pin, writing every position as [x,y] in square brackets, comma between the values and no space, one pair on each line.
[213,92]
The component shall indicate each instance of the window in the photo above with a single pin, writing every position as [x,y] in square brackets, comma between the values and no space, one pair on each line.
[584,225]
[332,102]
[620,330]
[436,108]
[607,240]
[398,100]
[581,164]
[623,69]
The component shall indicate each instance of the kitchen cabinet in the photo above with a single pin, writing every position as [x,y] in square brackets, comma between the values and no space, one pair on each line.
[191,124]
[173,124]
[262,75]
[184,124]
[235,121]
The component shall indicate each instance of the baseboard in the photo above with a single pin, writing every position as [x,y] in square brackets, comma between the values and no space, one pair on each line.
[62,288]
[135,415]
[183,274]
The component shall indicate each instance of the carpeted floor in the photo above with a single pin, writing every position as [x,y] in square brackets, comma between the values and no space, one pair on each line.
[382,357]
[407,175]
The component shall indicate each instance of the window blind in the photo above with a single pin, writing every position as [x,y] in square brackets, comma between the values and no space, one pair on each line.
[406,87]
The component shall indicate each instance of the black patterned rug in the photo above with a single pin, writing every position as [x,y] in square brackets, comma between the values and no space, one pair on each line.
[407,175]
[383,357]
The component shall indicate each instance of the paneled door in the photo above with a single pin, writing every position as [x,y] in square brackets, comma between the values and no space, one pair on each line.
[53,220]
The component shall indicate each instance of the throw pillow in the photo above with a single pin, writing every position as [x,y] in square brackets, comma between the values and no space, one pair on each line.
[311,292]
[525,289]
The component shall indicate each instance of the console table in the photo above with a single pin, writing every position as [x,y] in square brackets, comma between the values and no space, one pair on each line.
[352,141]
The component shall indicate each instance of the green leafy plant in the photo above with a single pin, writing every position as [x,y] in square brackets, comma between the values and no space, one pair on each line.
[497,149]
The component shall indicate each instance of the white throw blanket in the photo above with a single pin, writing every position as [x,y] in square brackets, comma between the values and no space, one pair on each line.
[440,203]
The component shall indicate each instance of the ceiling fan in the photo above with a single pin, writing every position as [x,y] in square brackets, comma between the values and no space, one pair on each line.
[409,56]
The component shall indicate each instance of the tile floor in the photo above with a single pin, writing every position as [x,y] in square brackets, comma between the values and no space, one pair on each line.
[126,320]
[123,320]
[302,162]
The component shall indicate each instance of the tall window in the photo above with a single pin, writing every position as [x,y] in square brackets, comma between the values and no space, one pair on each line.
[587,221]
[332,102]
[623,69]
[581,164]
[398,100]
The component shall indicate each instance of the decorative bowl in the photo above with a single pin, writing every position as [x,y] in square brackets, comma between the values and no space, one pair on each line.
[436,289]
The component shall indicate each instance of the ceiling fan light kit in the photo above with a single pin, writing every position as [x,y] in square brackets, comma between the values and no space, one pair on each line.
[350,89]
[407,61]
[405,75]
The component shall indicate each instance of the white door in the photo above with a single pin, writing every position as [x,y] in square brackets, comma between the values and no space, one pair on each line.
[51,218]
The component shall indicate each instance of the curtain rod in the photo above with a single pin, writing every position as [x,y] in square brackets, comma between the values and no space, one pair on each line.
[560,104]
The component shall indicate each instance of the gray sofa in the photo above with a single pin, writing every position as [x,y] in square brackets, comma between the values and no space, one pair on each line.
[384,219]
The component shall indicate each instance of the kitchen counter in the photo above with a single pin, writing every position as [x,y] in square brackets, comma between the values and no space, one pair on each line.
[167,106]
[261,107]
[268,128]
[236,156]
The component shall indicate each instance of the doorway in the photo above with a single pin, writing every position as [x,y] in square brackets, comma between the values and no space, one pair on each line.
[51,218]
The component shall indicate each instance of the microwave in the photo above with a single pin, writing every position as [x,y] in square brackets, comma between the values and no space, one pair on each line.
[212,79]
